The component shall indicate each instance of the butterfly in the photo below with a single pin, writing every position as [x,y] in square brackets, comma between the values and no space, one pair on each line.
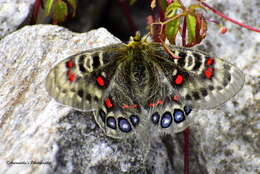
[136,87]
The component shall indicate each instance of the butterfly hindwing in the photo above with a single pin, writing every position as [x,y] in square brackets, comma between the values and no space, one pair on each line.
[121,111]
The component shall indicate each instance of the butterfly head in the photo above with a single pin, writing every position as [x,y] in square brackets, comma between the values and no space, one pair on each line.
[136,41]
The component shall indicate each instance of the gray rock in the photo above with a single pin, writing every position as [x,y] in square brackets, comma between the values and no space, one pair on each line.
[14,14]
[34,128]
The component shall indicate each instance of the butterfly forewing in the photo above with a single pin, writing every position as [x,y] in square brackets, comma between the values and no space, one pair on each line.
[202,81]
[77,81]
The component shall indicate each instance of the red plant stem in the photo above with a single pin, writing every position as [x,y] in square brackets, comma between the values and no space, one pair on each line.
[186,134]
[228,18]
[125,9]
[183,34]
[153,13]
[162,17]
[36,8]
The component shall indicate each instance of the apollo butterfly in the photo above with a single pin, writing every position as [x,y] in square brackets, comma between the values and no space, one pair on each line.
[135,86]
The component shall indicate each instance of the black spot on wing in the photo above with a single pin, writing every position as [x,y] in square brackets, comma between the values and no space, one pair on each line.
[88,97]
[80,93]
[225,82]
[81,63]
[190,60]
[195,95]
[211,87]
[96,62]
[226,67]
[219,88]
[182,54]
[106,57]
[228,76]
[188,97]
[198,61]
[204,92]
[102,115]
[181,60]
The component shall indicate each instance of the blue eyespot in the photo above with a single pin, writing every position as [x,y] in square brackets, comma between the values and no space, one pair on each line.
[124,125]
[187,109]
[134,120]
[155,118]
[111,122]
[178,116]
[166,120]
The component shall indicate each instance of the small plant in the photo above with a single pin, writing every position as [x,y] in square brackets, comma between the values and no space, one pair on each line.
[189,22]
[170,18]
[57,9]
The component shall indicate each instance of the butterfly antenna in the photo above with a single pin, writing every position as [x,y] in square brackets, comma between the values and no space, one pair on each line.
[137,37]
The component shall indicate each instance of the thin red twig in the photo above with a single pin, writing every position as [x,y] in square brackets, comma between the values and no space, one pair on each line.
[35,13]
[183,34]
[162,17]
[228,18]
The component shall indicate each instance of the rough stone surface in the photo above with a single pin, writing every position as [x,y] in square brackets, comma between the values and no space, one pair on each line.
[13,14]
[28,115]
[230,136]
[33,127]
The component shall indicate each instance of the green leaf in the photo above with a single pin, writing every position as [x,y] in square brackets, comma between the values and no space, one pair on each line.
[172,29]
[48,6]
[171,9]
[73,4]
[191,26]
[60,11]
[164,4]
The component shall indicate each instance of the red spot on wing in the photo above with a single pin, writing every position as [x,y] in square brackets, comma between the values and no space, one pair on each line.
[159,102]
[125,106]
[209,72]
[151,104]
[108,103]
[210,61]
[69,64]
[71,76]
[130,106]
[179,79]
[176,98]
[100,81]
[155,104]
